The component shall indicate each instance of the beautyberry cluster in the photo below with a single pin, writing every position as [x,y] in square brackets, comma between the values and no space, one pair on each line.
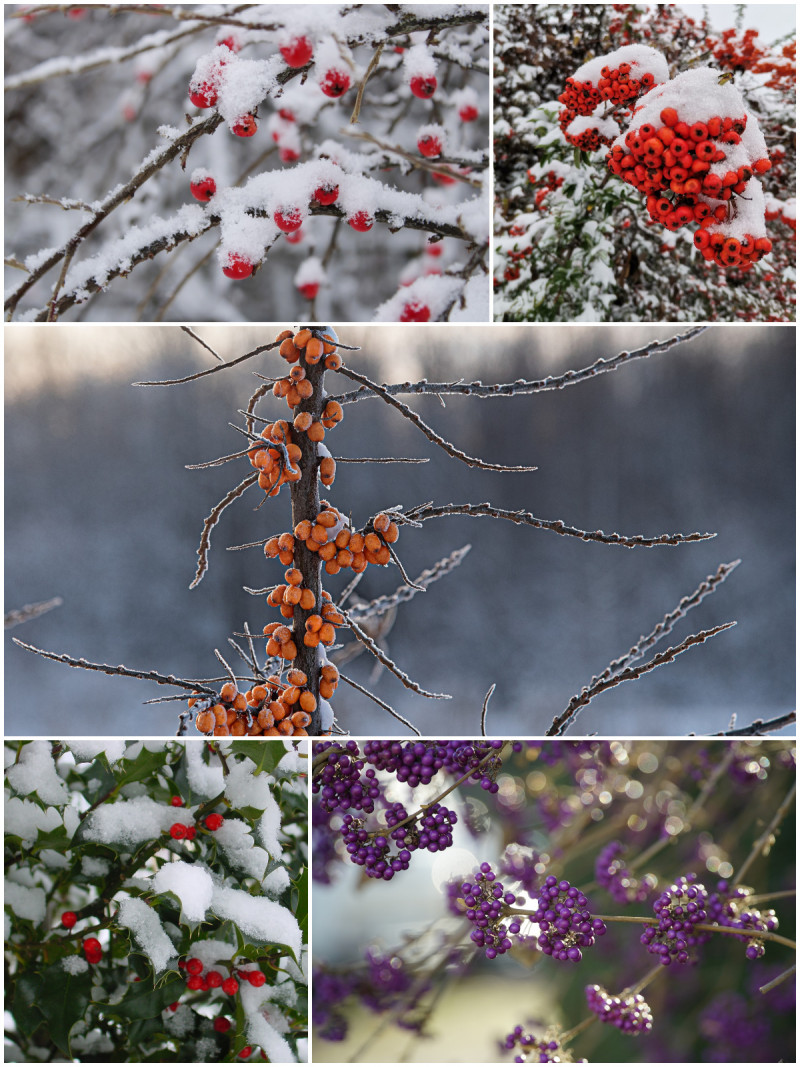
[431,829]
[534,1049]
[611,873]
[729,907]
[678,910]
[416,762]
[485,902]
[565,921]
[339,782]
[629,1013]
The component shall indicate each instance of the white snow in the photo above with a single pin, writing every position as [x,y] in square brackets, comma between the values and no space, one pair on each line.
[245,789]
[192,885]
[276,882]
[74,964]
[256,917]
[86,751]
[419,62]
[24,818]
[235,841]
[607,127]
[27,902]
[145,925]
[269,826]
[205,780]
[129,821]
[35,772]
[643,60]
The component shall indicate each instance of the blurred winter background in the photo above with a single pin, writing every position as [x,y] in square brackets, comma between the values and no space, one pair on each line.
[101,511]
[82,134]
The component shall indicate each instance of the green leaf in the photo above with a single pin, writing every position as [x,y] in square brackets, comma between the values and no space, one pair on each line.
[145,767]
[63,999]
[300,909]
[265,754]
[23,1003]
[145,1000]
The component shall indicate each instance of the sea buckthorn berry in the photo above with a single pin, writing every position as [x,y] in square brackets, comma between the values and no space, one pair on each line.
[228,692]
[300,719]
[288,350]
[284,335]
[302,530]
[314,350]
[68,919]
[391,533]
[307,701]
[333,361]
[302,337]
[316,432]
[297,52]
[214,821]
[293,595]
[381,522]
[286,542]
[294,576]
[296,677]
[297,373]
[204,722]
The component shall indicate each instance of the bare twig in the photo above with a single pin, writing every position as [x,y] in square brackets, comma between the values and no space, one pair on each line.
[373,63]
[412,416]
[380,703]
[562,721]
[380,459]
[226,665]
[760,726]
[485,708]
[211,522]
[765,840]
[200,341]
[217,462]
[401,568]
[213,370]
[487,510]
[30,611]
[361,612]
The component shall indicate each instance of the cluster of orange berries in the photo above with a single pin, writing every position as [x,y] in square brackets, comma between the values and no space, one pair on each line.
[676,158]
[272,708]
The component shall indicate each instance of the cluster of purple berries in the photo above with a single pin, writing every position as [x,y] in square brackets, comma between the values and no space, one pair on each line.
[565,921]
[431,830]
[728,907]
[630,1013]
[678,909]
[485,901]
[339,782]
[611,873]
[416,762]
[534,1049]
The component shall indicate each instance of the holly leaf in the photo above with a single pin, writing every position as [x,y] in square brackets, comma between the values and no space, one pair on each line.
[145,1000]
[265,754]
[23,1003]
[300,888]
[63,999]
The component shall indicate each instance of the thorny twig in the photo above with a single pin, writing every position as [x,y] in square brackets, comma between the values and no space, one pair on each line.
[213,370]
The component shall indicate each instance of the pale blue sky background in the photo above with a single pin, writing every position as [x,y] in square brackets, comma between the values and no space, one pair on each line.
[771,20]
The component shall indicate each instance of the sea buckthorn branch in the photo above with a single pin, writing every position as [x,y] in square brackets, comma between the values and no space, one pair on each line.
[211,522]
[381,703]
[213,370]
[522,387]
[30,611]
[382,604]
[580,700]
[761,726]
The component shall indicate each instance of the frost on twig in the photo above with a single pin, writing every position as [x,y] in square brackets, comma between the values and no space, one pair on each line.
[580,700]
[485,708]
[211,522]
[758,727]
[379,702]
[30,611]
[382,604]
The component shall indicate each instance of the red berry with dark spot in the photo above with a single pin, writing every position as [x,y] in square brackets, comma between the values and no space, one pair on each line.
[237,267]
[194,966]
[415,312]
[361,221]
[422,87]
[201,190]
[91,946]
[178,831]
[213,822]
[297,52]
[430,145]
[289,220]
[326,194]
[335,82]
[245,126]
[203,95]
[230,986]
[68,919]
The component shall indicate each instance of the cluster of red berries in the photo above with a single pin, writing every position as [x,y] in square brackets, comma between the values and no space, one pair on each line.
[672,164]
[180,832]
[92,949]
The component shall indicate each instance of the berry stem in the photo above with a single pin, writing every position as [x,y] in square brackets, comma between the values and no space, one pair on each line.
[764,839]
[736,931]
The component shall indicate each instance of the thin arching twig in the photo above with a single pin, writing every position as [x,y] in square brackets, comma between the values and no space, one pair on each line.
[211,522]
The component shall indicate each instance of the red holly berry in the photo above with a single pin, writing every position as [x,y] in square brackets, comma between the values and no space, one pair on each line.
[214,979]
[221,1024]
[174,1007]
[295,238]
[91,946]
[177,802]
[289,220]
[430,145]
[68,919]
[237,267]
[309,290]
[202,190]
[326,194]
[194,966]
[468,113]
[213,822]
[195,982]
[297,52]
[361,221]
[230,986]
[203,95]
[245,126]
[334,82]
[423,87]
[246,1051]
[191,833]
[415,312]
[177,831]
[256,978]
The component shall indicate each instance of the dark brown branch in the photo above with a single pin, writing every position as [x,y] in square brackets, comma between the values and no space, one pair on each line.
[211,522]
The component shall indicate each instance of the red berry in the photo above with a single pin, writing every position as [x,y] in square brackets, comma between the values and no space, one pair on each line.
[68,919]
[213,822]
[194,966]
[195,982]
[176,802]
[246,1051]
[468,113]
[434,249]
[295,238]
[285,113]
[191,833]
[237,267]
[221,1024]
[297,52]
[178,831]
[91,946]
[230,986]
[415,312]
[214,979]
[289,220]
[200,190]
[430,145]
[422,87]
[335,82]
[203,95]
[230,42]
[309,290]
[245,126]
[94,957]
[288,155]
[326,194]
[361,221]
[256,978]
[175,1006]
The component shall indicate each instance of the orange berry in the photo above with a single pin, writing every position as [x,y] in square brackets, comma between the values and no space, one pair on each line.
[307,600]
[334,361]
[286,558]
[271,548]
[265,719]
[221,731]
[293,576]
[283,335]
[205,722]
[359,562]
[326,690]
[291,695]
[313,623]
[274,598]
[344,557]
[327,634]
[300,719]
[327,551]
[381,522]
[220,714]
[303,421]
[296,677]
[293,595]
[301,338]
[383,555]
[316,432]
[240,702]
[392,533]
[289,351]
[332,567]
[356,542]
[297,373]
[303,530]
[305,389]
[259,693]
[281,387]
[289,650]
[286,542]
[238,728]
[293,396]
[328,518]
[311,640]
[372,542]
[308,701]
[319,533]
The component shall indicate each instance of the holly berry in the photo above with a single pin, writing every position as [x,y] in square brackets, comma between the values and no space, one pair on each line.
[230,986]
[245,126]
[213,822]
[68,919]
[309,290]
[92,947]
[468,113]
[237,267]
[430,145]
[256,978]
[297,52]
[289,220]
[214,979]
[174,1006]
[177,831]
[221,1024]
[334,82]
[176,802]
[246,1051]
[195,982]
[326,194]
[361,221]
[194,966]
[203,95]
[415,312]
[295,238]
[203,190]
[191,833]
[423,87]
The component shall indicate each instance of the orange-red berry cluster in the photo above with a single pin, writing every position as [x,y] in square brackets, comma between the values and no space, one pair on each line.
[273,708]
[672,165]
